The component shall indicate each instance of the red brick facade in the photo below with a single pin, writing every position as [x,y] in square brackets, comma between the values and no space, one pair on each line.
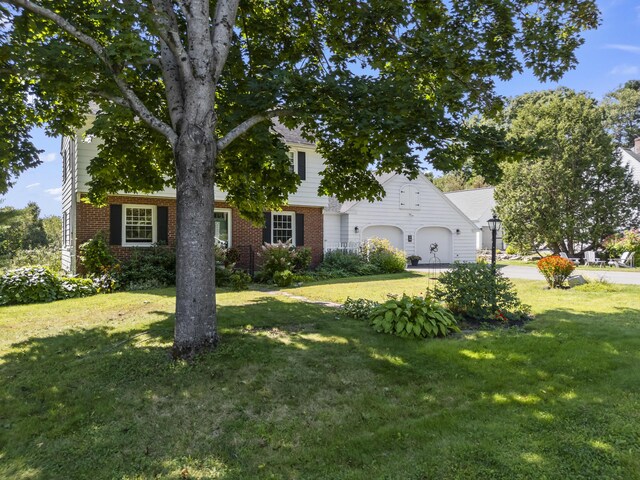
[91,220]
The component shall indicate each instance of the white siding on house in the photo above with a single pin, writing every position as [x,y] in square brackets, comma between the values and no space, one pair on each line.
[68,154]
[435,211]
[306,195]
[632,159]
[331,228]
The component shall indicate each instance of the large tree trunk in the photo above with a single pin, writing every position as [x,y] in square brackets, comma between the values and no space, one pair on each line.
[195,329]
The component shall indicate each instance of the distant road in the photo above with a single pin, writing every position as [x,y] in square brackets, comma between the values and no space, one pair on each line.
[611,276]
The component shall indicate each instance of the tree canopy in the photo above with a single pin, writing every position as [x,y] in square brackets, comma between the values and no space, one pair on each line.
[368,80]
[622,107]
[176,83]
[458,180]
[573,190]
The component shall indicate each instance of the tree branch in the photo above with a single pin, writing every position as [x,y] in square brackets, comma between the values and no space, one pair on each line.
[168,31]
[248,123]
[112,98]
[133,101]
[173,85]
[222,32]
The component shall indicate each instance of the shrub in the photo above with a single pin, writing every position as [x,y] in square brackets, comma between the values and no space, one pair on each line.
[283,279]
[301,259]
[280,257]
[96,256]
[349,263]
[107,282]
[385,256]
[304,277]
[74,287]
[240,280]
[223,276]
[39,284]
[511,250]
[413,317]
[555,270]
[628,241]
[226,256]
[149,267]
[359,308]
[276,257]
[473,291]
[29,285]
[233,255]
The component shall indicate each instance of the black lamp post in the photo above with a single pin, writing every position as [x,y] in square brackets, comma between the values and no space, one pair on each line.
[494,226]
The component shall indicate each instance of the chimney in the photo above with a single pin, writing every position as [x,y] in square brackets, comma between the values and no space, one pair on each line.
[636,147]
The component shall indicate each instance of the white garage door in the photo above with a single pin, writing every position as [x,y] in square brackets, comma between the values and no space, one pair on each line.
[391,233]
[429,235]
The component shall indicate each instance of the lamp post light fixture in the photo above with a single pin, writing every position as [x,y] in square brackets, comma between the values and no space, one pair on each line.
[494,226]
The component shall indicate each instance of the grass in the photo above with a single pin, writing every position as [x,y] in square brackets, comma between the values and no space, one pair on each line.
[293,391]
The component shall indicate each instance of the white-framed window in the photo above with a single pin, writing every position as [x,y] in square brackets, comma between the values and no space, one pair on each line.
[222,227]
[64,155]
[292,161]
[139,224]
[65,229]
[283,227]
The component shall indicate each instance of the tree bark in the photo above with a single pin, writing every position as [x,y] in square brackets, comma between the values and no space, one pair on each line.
[195,329]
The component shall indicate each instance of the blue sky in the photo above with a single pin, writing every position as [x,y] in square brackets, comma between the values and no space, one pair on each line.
[609,57]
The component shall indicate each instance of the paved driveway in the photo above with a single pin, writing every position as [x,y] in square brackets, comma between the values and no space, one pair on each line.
[531,273]
[612,276]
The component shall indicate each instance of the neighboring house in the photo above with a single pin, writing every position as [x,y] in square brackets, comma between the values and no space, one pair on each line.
[413,215]
[631,157]
[478,204]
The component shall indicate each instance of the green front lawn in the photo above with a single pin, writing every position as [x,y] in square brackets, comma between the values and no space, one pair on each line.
[294,391]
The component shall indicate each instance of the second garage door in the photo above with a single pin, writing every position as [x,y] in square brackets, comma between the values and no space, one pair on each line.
[391,233]
[440,235]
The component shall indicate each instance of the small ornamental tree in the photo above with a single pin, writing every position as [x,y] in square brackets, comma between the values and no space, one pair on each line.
[555,270]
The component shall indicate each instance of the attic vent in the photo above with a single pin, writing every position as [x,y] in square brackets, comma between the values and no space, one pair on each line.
[409,198]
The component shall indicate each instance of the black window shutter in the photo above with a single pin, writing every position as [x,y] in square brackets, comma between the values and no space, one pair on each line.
[299,229]
[163,226]
[115,224]
[266,231]
[302,165]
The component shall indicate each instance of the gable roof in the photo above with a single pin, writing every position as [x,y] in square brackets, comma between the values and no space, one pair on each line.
[477,204]
[384,178]
[290,136]
[629,151]
[632,160]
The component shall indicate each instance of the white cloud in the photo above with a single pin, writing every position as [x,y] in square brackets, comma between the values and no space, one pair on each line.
[48,157]
[625,70]
[624,47]
[33,185]
[54,192]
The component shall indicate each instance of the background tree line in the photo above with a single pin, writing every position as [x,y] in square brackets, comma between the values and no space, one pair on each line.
[569,190]
[26,238]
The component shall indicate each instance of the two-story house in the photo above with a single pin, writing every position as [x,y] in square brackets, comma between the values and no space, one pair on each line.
[413,215]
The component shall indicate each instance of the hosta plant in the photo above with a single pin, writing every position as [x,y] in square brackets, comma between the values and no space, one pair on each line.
[555,270]
[418,317]
[359,308]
